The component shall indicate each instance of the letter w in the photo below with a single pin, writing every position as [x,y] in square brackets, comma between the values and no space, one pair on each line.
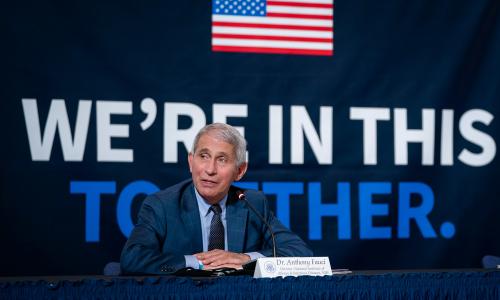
[41,147]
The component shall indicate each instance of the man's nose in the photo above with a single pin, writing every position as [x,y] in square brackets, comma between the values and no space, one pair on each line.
[211,167]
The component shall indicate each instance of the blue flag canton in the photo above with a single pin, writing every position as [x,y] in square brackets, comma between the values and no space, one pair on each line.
[256,8]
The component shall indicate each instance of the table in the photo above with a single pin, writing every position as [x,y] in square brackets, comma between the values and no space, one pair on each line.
[412,284]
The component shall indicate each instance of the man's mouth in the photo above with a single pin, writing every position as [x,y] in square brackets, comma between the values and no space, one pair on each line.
[207,182]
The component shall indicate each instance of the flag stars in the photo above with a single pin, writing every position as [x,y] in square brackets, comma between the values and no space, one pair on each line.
[240,7]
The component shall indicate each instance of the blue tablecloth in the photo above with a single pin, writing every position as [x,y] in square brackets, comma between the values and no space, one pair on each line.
[391,285]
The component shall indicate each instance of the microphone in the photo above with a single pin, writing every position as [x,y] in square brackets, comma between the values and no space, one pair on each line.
[242,197]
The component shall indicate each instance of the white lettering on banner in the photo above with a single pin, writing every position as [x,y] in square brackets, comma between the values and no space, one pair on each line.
[106,130]
[447,137]
[57,120]
[484,141]
[301,130]
[148,106]
[172,134]
[302,126]
[403,136]
[221,112]
[370,116]
[275,134]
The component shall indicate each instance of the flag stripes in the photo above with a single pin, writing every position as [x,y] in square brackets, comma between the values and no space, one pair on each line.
[278,26]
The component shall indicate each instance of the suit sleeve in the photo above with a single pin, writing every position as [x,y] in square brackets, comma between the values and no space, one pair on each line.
[142,254]
[287,242]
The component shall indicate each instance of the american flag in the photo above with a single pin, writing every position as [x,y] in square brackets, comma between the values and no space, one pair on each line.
[273,26]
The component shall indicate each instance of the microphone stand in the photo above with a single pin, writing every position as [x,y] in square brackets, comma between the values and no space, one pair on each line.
[242,197]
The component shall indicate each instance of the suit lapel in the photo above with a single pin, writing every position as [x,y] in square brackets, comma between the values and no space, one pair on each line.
[191,218]
[236,221]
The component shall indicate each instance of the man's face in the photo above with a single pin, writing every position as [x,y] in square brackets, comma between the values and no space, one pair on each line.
[213,168]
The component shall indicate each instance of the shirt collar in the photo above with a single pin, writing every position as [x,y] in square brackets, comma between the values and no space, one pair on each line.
[204,207]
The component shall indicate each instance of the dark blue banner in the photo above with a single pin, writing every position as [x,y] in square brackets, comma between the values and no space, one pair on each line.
[371,126]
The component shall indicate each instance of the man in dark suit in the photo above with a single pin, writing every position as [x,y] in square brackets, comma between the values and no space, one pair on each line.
[201,223]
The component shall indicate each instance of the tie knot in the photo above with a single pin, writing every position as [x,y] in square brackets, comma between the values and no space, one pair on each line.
[216,209]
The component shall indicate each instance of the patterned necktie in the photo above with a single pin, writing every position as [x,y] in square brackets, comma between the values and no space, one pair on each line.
[216,238]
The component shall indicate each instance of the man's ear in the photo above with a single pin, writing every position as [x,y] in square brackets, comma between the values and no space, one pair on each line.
[190,161]
[242,169]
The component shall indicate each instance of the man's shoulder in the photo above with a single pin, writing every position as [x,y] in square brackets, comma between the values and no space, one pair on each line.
[172,193]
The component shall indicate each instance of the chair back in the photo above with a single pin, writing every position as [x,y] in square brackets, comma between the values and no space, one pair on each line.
[491,262]
[112,269]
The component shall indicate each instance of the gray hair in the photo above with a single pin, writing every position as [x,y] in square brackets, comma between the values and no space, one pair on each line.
[228,134]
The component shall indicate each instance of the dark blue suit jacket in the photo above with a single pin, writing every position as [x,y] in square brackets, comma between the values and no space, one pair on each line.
[169,227]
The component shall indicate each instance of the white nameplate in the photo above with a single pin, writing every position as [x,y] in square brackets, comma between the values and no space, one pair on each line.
[269,267]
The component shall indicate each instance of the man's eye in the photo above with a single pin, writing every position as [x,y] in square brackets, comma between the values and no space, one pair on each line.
[204,156]
[222,159]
